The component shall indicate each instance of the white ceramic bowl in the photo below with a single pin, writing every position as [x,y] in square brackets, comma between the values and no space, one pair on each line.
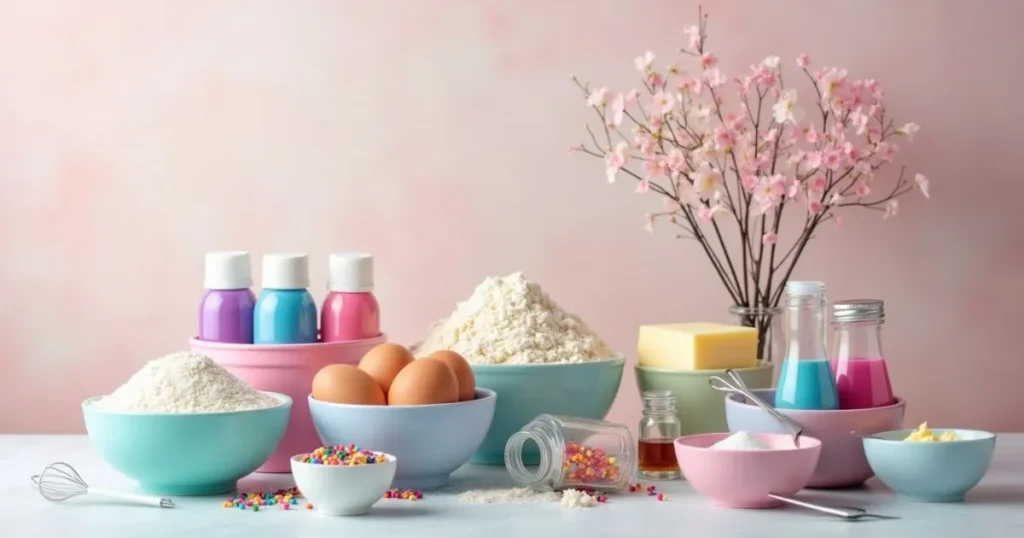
[343,490]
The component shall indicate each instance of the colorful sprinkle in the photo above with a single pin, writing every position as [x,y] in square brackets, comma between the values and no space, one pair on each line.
[404,494]
[267,498]
[662,497]
[587,465]
[343,455]
[309,506]
[602,498]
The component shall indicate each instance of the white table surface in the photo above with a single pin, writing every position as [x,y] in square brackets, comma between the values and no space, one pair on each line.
[994,508]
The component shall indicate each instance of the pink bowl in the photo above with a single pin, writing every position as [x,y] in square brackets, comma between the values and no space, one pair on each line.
[744,478]
[288,369]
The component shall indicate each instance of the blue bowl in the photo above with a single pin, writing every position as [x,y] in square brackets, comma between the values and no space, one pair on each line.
[429,441]
[931,472]
[187,453]
[583,389]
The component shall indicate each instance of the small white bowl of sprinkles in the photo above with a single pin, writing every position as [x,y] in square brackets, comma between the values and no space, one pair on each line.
[343,480]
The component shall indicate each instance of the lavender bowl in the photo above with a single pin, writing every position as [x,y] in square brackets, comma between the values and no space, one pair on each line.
[842,462]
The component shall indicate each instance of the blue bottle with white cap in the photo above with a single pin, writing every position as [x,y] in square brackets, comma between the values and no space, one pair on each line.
[805,379]
[285,311]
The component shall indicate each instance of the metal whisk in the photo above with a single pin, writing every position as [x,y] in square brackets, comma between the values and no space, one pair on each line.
[60,481]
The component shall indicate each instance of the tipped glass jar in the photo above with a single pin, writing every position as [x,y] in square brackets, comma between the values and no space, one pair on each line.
[659,428]
[575,453]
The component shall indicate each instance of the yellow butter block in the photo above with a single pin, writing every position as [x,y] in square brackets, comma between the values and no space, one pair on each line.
[697,346]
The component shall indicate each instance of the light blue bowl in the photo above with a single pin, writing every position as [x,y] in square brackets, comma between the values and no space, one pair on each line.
[187,454]
[931,472]
[429,441]
[584,389]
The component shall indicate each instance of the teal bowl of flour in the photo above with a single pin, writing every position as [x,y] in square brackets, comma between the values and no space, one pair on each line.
[188,453]
[930,472]
[578,389]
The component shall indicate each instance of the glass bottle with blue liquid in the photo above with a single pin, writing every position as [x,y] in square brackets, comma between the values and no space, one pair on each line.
[805,379]
[285,312]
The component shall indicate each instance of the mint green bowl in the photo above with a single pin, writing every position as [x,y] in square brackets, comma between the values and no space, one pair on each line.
[577,389]
[189,453]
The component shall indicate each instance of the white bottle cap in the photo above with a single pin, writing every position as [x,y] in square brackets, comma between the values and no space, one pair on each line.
[227,270]
[285,271]
[804,288]
[350,272]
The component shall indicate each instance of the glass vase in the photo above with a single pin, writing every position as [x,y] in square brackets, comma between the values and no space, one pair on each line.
[771,345]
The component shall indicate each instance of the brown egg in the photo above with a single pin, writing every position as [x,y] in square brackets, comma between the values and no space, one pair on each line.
[463,372]
[423,382]
[344,383]
[383,363]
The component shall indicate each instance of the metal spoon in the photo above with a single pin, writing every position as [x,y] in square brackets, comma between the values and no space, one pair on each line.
[849,513]
[737,385]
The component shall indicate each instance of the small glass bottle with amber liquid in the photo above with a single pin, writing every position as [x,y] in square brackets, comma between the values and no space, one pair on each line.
[659,428]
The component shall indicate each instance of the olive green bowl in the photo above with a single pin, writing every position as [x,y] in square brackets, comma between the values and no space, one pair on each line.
[700,408]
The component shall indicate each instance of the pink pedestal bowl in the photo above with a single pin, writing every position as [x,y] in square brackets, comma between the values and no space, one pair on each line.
[288,369]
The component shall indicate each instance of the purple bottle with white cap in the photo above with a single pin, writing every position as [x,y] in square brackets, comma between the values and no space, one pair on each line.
[350,310]
[226,310]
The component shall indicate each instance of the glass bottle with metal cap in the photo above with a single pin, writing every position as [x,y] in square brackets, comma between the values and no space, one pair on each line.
[862,377]
[805,378]
[659,429]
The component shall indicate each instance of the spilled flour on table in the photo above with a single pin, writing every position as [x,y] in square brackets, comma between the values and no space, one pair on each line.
[509,495]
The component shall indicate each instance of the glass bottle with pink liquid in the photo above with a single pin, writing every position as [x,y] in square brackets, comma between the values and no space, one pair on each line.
[862,377]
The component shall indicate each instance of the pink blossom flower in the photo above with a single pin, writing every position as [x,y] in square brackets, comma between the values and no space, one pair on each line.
[803,61]
[714,77]
[832,159]
[749,182]
[618,110]
[744,84]
[616,159]
[643,186]
[922,183]
[649,223]
[909,130]
[693,32]
[891,209]
[771,134]
[886,151]
[643,63]
[832,82]
[794,191]
[725,138]
[708,60]
[863,190]
[769,192]
[769,238]
[654,168]
[859,120]
[632,97]
[706,180]
[818,183]
[852,152]
[811,135]
[655,79]
[814,206]
[864,168]
[812,160]
[598,97]
[771,62]
[835,199]
[872,86]
[785,109]
[708,212]
[676,160]
[662,103]
[762,161]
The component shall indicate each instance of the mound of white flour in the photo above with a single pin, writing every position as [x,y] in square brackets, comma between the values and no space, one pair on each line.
[184,382]
[510,320]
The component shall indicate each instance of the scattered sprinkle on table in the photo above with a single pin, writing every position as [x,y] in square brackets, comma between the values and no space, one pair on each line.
[343,455]
[283,497]
[405,494]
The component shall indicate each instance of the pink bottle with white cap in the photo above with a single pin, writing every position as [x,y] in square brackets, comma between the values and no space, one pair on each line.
[350,310]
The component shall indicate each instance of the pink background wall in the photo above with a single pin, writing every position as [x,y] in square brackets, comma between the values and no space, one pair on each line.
[134,136]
